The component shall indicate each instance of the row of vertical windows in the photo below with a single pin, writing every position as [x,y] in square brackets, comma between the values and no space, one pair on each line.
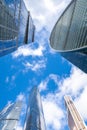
[78,29]
[60,31]
[6,19]
[23,21]
[31,30]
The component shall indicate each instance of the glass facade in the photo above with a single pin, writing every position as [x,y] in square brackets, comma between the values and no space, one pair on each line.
[9,116]
[30,30]
[34,115]
[22,22]
[13,24]
[70,31]
[8,26]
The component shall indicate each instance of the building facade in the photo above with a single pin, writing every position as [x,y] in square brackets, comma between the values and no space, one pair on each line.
[34,116]
[70,31]
[69,35]
[9,116]
[14,21]
[75,121]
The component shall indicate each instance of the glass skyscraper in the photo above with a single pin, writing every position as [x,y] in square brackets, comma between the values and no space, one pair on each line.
[69,35]
[16,25]
[75,121]
[9,116]
[34,116]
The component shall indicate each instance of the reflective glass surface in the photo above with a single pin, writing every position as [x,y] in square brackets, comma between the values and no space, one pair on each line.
[31,30]
[70,31]
[9,116]
[8,26]
[35,117]
[14,21]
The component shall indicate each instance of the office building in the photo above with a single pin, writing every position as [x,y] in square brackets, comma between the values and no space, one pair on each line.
[34,116]
[69,35]
[75,121]
[16,26]
[9,116]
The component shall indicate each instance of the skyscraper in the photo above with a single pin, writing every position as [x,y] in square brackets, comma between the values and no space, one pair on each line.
[34,116]
[16,26]
[69,35]
[75,121]
[9,116]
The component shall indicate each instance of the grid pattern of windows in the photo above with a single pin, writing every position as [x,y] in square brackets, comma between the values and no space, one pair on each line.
[70,31]
[9,20]
[13,23]
[78,31]
[8,27]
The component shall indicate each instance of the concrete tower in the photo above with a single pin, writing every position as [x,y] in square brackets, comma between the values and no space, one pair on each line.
[75,121]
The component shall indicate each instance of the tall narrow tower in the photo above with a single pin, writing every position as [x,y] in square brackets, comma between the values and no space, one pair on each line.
[75,121]
[9,116]
[34,116]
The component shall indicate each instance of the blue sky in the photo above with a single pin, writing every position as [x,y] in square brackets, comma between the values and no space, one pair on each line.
[38,65]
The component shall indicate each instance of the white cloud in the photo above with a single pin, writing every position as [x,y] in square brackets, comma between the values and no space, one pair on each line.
[13,78]
[35,66]
[27,50]
[43,85]
[52,112]
[7,79]
[81,104]
[21,97]
[74,84]
[38,66]
[19,127]
[54,78]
